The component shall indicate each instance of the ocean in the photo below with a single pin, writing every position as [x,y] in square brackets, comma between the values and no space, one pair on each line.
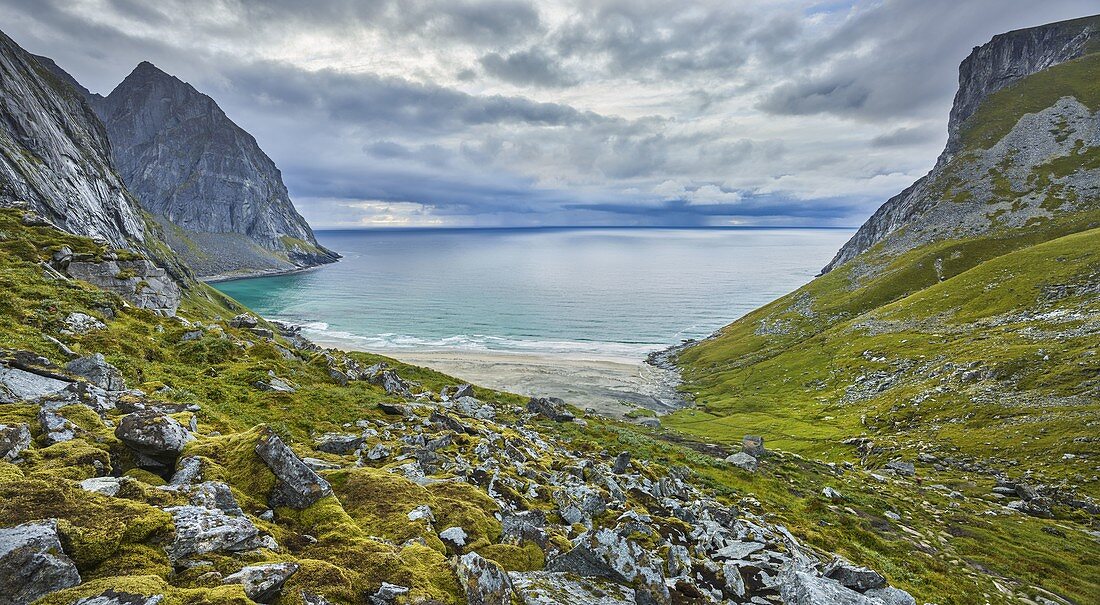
[604,293]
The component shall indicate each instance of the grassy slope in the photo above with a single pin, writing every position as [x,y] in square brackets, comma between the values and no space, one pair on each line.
[991,359]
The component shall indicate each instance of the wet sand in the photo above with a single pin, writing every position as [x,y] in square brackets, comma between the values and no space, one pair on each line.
[611,387]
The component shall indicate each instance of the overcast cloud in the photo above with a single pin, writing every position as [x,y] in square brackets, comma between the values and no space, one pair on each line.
[516,112]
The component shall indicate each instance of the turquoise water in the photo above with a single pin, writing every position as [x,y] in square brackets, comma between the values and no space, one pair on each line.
[616,293]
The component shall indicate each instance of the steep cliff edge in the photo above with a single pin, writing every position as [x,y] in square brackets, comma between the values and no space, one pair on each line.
[995,66]
[55,155]
[221,200]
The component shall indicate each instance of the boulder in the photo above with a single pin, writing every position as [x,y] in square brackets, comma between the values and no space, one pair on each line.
[113,597]
[263,583]
[579,503]
[743,461]
[609,554]
[108,486]
[14,439]
[551,408]
[622,463]
[21,385]
[82,323]
[153,434]
[653,423]
[200,530]
[188,470]
[804,588]
[33,563]
[55,428]
[391,383]
[274,384]
[860,579]
[832,494]
[902,467]
[555,588]
[753,445]
[738,550]
[454,538]
[297,485]
[338,443]
[891,596]
[387,594]
[378,452]
[244,320]
[96,370]
[485,582]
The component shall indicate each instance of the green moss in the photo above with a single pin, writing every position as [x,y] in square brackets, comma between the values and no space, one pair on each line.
[148,585]
[145,477]
[528,557]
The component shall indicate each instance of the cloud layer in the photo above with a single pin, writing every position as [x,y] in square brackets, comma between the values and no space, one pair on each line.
[515,112]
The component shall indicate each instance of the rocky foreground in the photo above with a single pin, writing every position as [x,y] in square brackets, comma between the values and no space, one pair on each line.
[486,493]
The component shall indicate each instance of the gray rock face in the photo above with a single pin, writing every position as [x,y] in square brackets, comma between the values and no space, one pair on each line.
[263,583]
[112,597]
[201,530]
[298,486]
[857,578]
[54,154]
[1003,61]
[14,438]
[548,588]
[803,588]
[608,554]
[139,281]
[743,461]
[549,407]
[55,428]
[32,563]
[96,370]
[189,164]
[18,385]
[484,581]
[153,434]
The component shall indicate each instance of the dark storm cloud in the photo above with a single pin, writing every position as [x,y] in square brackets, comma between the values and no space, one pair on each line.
[391,103]
[525,112]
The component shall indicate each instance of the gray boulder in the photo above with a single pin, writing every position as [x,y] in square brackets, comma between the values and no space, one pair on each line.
[108,486]
[743,461]
[391,383]
[804,588]
[96,370]
[387,594]
[891,596]
[153,434]
[902,467]
[14,439]
[484,581]
[21,385]
[200,530]
[622,463]
[552,588]
[188,470]
[112,597]
[82,323]
[32,563]
[297,485]
[55,428]
[857,578]
[753,445]
[263,583]
[551,408]
[338,443]
[608,554]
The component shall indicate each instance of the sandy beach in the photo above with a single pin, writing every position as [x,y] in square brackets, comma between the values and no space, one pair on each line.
[612,387]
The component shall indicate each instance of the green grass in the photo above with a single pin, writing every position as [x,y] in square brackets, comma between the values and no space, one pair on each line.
[1002,110]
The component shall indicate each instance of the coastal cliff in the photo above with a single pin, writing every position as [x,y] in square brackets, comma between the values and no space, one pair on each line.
[220,198]
[55,155]
[999,64]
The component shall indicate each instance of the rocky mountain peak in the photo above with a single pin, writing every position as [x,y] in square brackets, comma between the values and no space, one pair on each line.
[1005,60]
[205,178]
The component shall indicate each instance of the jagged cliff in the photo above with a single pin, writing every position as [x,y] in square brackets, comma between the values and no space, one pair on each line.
[220,198]
[55,155]
[999,64]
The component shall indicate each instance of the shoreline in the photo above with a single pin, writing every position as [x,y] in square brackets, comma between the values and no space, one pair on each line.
[609,386]
[225,277]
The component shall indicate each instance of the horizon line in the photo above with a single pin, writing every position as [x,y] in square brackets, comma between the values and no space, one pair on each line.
[578,227]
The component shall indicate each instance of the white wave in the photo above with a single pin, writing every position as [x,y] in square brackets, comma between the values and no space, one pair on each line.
[478,342]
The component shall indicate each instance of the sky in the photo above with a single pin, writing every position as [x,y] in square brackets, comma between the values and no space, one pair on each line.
[413,113]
